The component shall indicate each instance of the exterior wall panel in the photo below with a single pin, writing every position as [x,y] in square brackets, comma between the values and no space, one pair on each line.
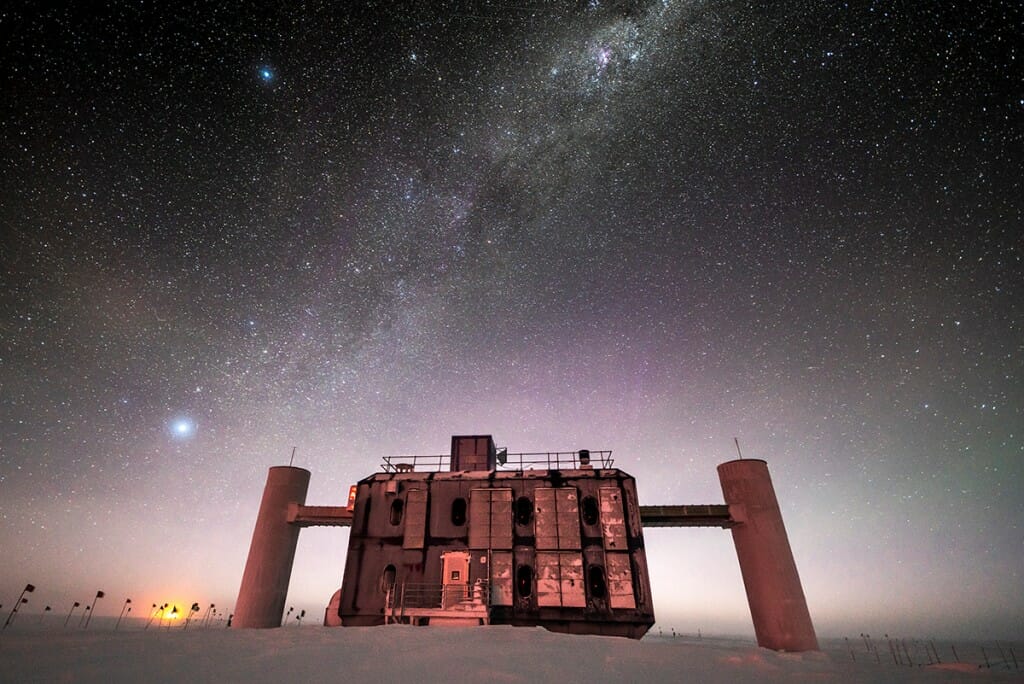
[501,578]
[620,581]
[613,523]
[415,519]
[490,519]
[560,580]
[557,518]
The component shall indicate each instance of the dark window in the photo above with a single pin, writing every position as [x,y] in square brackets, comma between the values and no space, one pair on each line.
[387,579]
[589,505]
[595,580]
[459,512]
[396,511]
[524,511]
[524,581]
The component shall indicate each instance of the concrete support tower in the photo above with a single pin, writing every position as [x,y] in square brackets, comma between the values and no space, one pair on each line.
[777,604]
[269,566]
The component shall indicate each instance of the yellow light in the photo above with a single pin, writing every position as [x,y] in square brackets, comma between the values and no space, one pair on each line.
[169,613]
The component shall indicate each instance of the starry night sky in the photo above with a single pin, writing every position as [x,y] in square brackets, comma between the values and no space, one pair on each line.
[647,227]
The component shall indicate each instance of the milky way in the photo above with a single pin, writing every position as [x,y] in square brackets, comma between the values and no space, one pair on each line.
[645,227]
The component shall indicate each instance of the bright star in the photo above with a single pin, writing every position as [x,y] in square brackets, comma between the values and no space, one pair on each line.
[183,427]
[266,74]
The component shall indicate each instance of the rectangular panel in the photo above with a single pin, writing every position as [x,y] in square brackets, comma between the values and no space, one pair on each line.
[501,578]
[568,518]
[560,580]
[549,590]
[613,525]
[620,581]
[490,518]
[501,519]
[479,518]
[571,567]
[545,518]
[415,519]
[557,518]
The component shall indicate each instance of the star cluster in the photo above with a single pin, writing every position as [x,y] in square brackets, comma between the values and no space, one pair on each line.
[639,226]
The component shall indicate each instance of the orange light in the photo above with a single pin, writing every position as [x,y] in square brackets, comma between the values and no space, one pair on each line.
[173,611]
[351,497]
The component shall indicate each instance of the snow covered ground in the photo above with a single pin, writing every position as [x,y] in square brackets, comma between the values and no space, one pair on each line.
[31,652]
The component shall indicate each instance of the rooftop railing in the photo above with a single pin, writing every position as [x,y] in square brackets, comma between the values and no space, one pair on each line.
[537,460]
[421,463]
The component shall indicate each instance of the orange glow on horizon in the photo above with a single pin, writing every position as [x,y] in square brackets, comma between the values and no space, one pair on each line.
[167,614]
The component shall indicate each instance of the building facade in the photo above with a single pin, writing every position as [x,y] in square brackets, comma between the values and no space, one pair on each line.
[561,548]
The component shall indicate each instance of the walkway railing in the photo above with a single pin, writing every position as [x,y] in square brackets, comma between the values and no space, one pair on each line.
[413,600]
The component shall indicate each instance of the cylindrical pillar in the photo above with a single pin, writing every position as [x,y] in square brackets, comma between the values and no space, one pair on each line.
[776,597]
[269,566]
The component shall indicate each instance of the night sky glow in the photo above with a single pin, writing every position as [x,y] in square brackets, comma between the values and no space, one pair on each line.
[647,227]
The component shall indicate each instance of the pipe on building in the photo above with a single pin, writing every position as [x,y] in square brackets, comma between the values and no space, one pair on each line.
[268,569]
[776,597]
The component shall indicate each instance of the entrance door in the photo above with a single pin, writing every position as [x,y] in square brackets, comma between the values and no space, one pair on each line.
[454,577]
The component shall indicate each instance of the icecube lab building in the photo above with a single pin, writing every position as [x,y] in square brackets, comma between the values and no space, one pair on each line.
[481,536]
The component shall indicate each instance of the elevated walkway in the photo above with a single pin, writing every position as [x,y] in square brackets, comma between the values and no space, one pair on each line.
[702,515]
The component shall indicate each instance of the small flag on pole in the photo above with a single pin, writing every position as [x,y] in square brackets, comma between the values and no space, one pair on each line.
[21,600]
[126,608]
[99,595]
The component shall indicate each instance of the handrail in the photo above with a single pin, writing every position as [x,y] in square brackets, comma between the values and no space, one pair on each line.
[427,463]
[411,595]
[536,460]
[556,460]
